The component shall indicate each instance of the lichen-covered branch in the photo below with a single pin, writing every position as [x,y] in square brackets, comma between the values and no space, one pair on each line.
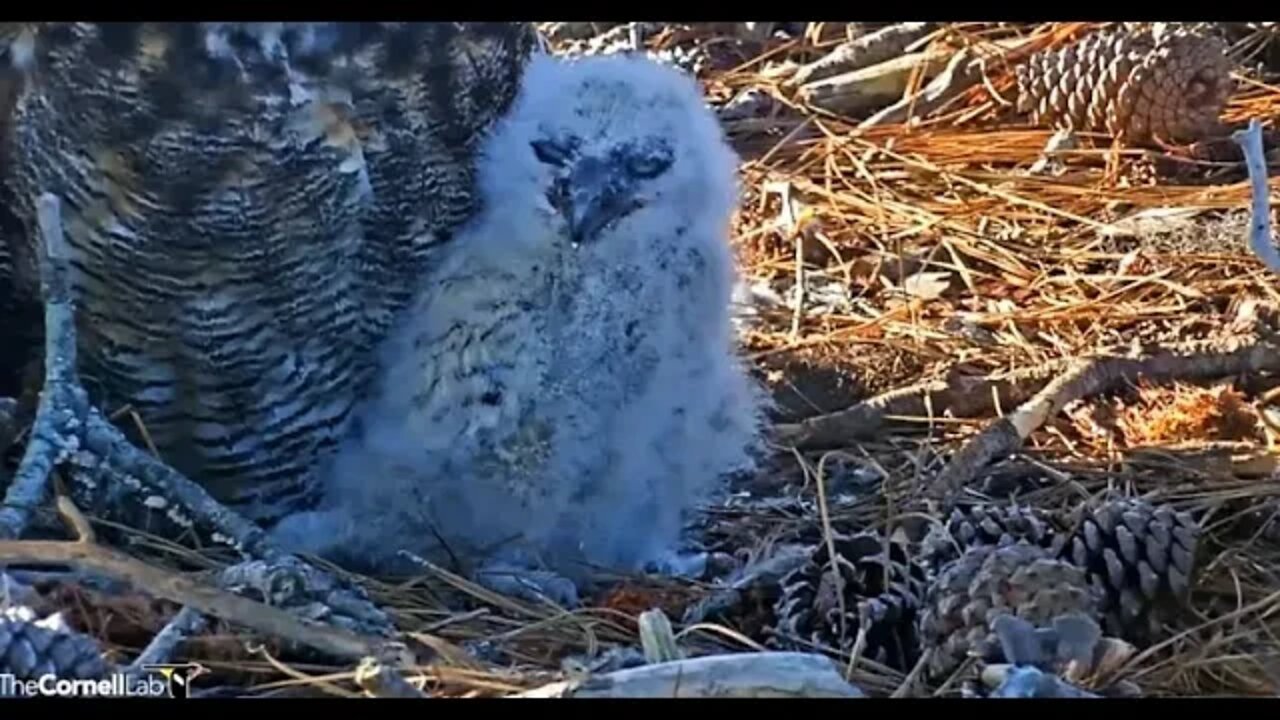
[63,402]
[202,598]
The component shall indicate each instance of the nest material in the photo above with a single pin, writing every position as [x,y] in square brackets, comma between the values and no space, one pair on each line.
[1071,658]
[1168,84]
[1019,579]
[1143,558]
[881,590]
[31,648]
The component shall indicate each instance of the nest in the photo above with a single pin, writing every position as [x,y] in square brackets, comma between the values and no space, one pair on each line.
[934,271]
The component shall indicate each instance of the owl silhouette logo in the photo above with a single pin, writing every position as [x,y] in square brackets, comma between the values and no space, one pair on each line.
[178,676]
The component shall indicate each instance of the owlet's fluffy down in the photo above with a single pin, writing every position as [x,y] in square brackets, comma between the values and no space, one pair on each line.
[565,389]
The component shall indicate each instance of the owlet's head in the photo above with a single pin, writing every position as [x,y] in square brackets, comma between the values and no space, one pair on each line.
[603,141]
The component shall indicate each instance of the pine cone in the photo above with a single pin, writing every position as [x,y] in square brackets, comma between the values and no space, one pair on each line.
[30,648]
[881,592]
[1158,83]
[1020,579]
[1142,557]
[985,524]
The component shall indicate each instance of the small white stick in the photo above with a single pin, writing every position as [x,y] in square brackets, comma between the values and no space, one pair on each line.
[1250,142]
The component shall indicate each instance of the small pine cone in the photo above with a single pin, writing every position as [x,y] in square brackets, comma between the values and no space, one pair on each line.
[1142,557]
[881,591]
[1021,579]
[1165,84]
[985,525]
[30,648]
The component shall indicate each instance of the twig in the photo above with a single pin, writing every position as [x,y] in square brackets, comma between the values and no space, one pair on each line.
[964,70]
[203,598]
[746,675]
[864,51]
[957,396]
[909,682]
[78,523]
[1260,241]
[871,87]
[63,401]
[961,73]
[126,466]
[1085,379]
[186,623]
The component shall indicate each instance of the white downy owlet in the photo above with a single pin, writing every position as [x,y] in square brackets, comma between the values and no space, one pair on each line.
[565,389]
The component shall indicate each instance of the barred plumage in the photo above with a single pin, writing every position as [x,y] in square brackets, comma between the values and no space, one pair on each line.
[248,204]
[15,324]
[10,357]
[1159,83]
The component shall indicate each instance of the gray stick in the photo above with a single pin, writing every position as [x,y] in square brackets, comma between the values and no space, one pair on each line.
[1250,142]
[162,647]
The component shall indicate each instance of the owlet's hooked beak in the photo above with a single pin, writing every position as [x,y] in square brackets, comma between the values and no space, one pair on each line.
[597,194]
[593,191]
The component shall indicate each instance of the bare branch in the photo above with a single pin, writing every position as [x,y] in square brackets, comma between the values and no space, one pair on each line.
[1086,379]
[1250,141]
[864,51]
[957,396]
[162,647]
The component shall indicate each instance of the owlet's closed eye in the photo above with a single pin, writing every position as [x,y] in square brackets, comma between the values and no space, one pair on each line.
[649,165]
[552,153]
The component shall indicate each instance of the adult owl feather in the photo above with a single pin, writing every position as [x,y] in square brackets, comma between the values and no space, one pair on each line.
[249,205]
[565,389]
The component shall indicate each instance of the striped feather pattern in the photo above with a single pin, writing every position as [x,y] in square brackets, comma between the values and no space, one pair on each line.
[248,205]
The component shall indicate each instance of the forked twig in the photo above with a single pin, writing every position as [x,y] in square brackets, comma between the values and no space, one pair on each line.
[1086,379]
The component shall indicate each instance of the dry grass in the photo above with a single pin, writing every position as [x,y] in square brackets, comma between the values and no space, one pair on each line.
[927,248]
